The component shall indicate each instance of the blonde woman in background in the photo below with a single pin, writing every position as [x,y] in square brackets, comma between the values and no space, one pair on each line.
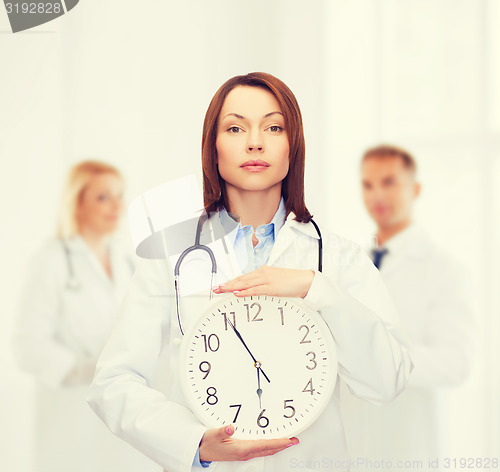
[69,301]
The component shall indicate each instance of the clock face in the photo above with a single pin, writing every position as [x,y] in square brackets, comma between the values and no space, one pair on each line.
[266,365]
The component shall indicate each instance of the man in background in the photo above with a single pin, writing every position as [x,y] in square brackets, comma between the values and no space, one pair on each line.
[428,289]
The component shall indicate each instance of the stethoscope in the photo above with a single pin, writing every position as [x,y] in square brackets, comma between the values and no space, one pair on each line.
[197,246]
[72,282]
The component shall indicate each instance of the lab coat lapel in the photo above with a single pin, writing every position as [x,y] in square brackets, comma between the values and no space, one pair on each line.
[78,244]
[287,235]
[412,245]
[281,243]
[228,267]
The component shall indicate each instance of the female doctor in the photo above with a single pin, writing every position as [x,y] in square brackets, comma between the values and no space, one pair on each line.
[253,165]
[68,304]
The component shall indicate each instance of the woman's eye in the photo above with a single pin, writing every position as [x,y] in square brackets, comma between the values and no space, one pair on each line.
[102,198]
[234,129]
[275,128]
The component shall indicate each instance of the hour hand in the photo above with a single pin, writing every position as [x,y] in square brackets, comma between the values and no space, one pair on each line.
[259,390]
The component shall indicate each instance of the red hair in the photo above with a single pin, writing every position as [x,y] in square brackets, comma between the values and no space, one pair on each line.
[292,188]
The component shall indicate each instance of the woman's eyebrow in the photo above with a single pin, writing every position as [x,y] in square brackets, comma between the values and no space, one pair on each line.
[234,114]
[272,113]
[243,118]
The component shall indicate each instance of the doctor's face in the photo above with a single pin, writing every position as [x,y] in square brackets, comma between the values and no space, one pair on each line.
[101,204]
[252,142]
[389,190]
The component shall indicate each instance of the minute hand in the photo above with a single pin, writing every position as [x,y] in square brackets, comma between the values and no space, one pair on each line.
[246,347]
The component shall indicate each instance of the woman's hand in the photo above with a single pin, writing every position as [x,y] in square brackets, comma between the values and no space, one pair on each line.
[267,280]
[217,445]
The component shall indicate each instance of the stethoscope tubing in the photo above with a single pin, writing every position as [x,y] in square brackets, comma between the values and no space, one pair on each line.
[197,246]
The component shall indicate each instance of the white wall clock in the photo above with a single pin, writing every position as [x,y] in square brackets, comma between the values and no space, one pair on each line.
[265,364]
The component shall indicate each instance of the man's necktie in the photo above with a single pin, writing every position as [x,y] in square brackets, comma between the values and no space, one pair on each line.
[378,255]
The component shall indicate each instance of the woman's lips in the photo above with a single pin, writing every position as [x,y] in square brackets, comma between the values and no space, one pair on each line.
[255,165]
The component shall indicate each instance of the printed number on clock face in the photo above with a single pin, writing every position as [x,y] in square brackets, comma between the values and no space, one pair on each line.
[266,365]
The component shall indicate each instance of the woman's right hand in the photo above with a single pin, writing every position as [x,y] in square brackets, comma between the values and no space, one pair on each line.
[217,445]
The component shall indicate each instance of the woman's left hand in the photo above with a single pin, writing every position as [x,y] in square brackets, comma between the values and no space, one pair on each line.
[267,280]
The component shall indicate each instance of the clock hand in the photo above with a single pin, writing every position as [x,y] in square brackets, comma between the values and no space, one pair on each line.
[259,390]
[244,344]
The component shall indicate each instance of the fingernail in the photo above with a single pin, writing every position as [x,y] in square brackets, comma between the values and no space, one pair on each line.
[229,430]
[294,442]
[236,291]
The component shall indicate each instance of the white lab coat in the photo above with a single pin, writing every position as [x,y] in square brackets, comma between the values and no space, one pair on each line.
[59,329]
[136,387]
[430,293]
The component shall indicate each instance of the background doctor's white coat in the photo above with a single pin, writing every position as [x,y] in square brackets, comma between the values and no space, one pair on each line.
[129,82]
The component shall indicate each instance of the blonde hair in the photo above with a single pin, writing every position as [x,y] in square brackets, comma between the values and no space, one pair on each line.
[77,181]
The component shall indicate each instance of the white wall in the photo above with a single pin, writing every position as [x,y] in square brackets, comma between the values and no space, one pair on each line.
[129,82]
[422,74]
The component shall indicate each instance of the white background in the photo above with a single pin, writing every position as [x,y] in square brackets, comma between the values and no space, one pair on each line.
[129,82]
